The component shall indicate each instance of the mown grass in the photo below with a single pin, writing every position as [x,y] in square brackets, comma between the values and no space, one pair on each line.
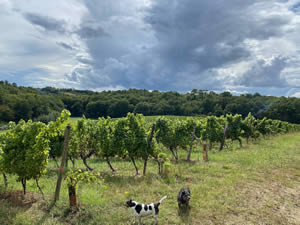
[257,184]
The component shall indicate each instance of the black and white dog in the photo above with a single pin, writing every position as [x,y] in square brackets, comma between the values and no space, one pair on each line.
[184,197]
[139,210]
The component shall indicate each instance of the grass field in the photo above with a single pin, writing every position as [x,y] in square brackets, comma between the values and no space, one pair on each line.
[257,184]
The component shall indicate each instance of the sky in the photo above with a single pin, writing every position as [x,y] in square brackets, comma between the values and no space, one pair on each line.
[241,46]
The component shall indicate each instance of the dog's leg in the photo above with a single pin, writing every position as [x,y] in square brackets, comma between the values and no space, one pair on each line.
[155,217]
[135,220]
[140,223]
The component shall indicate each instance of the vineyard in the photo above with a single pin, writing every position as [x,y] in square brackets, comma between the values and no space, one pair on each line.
[160,150]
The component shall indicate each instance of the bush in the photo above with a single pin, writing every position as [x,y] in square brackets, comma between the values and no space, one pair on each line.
[46,118]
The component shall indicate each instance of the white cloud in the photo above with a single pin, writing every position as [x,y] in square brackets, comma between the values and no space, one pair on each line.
[297,95]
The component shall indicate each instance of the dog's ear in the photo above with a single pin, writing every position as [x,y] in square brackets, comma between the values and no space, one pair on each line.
[128,203]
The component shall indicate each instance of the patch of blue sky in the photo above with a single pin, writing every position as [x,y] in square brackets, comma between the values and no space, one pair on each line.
[29,77]
[296,7]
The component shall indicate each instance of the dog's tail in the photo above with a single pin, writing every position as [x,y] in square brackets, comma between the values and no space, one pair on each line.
[160,201]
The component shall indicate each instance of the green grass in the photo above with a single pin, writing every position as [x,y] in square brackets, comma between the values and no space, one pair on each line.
[257,184]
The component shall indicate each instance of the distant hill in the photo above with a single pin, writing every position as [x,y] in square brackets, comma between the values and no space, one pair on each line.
[44,104]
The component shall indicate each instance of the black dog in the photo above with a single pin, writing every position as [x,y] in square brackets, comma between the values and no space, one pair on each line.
[184,197]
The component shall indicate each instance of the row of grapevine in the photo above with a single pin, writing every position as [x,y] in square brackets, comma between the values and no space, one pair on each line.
[26,146]
[132,137]
[107,138]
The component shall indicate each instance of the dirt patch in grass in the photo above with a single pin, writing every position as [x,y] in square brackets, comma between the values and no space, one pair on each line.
[17,208]
[18,199]
[274,199]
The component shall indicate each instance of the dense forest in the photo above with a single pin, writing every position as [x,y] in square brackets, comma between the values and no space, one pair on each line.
[44,104]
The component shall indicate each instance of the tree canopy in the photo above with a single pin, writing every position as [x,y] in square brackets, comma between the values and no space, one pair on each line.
[44,104]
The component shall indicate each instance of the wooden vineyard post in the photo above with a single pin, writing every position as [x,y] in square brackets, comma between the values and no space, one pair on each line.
[63,161]
[5,180]
[191,144]
[205,156]
[72,196]
[149,141]
[224,137]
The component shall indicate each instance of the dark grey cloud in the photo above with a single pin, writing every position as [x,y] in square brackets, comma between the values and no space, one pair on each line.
[65,45]
[178,45]
[208,34]
[74,76]
[45,22]
[87,32]
[263,74]
[268,27]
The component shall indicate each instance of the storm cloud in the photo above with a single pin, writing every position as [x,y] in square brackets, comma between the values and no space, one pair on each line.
[168,45]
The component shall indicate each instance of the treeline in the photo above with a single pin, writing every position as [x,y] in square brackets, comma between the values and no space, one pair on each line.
[26,103]
[44,104]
